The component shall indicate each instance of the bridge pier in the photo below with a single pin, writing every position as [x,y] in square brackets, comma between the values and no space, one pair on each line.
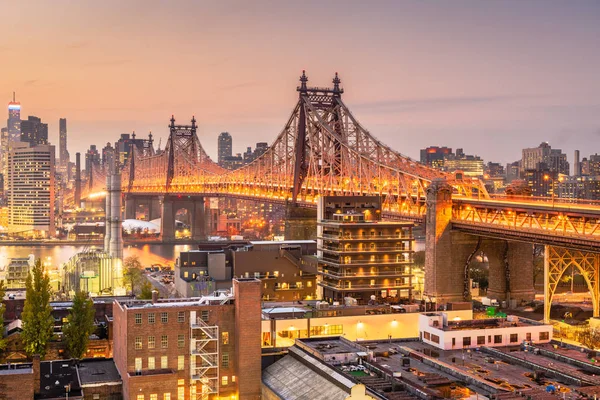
[130,207]
[449,253]
[195,208]
[300,223]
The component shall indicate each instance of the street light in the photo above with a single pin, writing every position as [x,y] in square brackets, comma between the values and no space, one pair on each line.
[549,178]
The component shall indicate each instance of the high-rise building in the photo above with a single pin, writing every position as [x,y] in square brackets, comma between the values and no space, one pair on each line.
[186,348]
[31,190]
[591,166]
[577,164]
[224,147]
[34,131]
[579,187]
[433,156]
[108,156]
[470,165]
[124,144]
[4,155]
[361,256]
[92,158]
[545,157]
[62,142]
[14,120]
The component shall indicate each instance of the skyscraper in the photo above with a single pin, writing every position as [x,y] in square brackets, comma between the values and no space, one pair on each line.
[545,157]
[62,142]
[31,190]
[4,155]
[225,149]
[14,120]
[34,131]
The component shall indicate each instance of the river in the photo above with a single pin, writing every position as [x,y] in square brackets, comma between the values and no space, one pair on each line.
[148,254]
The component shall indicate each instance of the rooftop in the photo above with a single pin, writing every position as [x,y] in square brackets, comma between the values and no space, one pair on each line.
[487,323]
[220,299]
[58,377]
[98,370]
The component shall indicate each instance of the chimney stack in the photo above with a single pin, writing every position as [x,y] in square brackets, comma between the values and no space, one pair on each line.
[107,213]
[116,223]
[577,164]
[154,296]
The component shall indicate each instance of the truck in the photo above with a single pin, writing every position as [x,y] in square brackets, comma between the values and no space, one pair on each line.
[489,302]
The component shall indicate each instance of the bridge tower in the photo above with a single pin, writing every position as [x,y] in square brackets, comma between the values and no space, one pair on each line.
[449,253]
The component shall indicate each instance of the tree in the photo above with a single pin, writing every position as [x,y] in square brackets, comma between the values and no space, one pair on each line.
[80,326]
[146,293]
[419,258]
[38,323]
[133,272]
[2,309]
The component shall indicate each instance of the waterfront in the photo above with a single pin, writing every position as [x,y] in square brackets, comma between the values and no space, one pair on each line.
[164,254]
[148,254]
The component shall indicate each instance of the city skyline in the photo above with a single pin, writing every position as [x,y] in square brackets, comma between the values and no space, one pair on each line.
[491,78]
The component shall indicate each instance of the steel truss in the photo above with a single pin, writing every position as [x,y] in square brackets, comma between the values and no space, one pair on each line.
[557,260]
[204,358]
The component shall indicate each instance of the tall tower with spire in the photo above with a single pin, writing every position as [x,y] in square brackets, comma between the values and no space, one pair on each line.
[14,120]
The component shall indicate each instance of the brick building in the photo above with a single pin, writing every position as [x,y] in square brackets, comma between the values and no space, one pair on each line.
[179,349]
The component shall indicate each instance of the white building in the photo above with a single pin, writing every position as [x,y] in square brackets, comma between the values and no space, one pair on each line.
[31,190]
[435,329]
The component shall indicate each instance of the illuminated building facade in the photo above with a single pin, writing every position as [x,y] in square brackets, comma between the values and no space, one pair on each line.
[434,156]
[31,190]
[4,156]
[359,255]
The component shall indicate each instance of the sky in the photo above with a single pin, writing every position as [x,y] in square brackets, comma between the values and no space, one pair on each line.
[491,77]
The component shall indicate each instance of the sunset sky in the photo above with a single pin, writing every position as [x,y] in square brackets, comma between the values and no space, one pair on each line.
[489,76]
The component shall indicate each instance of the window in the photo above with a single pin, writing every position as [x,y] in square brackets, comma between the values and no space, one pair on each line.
[233,378]
[151,342]
[225,337]
[181,316]
[453,341]
[181,393]
[167,396]
[480,339]
[225,360]
[151,363]
[164,317]
[154,396]
[528,336]
[544,335]
[138,342]
[489,338]
[326,330]
[204,315]
[138,318]
[138,364]
[427,336]
[185,274]
[180,341]
[164,364]
[96,396]
[435,339]
[514,337]
[180,382]
[497,339]
[224,380]
[140,397]
[180,363]
[151,318]
[164,341]
[467,341]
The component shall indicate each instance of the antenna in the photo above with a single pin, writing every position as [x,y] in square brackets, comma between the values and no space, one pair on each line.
[14,101]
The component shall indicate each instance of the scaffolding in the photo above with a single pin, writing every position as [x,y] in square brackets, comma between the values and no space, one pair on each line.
[204,357]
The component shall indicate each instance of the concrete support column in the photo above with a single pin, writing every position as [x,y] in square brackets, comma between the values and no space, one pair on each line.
[129,207]
[153,209]
[547,294]
[116,225]
[167,223]
[511,270]
[198,221]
